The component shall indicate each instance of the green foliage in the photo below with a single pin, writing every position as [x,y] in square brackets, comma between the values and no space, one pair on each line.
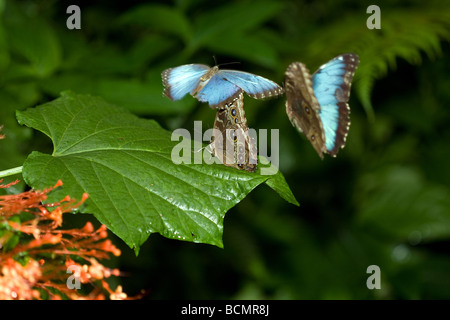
[383,200]
[125,165]
[406,33]
[10,238]
[421,208]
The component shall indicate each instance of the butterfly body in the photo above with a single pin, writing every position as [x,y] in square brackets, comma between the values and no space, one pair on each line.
[214,85]
[231,141]
[317,105]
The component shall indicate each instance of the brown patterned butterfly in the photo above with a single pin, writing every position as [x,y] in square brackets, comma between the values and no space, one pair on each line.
[231,142]
[317,105]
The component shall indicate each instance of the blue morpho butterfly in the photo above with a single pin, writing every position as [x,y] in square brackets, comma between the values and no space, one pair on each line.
[317,105]
[215,86]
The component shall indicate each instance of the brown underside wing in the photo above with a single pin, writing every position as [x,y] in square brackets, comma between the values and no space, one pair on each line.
[231,142]
[302,107]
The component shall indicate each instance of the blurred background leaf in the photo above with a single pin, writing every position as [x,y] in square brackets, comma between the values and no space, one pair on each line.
[160,18]
[383,200]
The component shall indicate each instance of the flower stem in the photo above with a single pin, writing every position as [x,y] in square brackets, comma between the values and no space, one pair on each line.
[10,172]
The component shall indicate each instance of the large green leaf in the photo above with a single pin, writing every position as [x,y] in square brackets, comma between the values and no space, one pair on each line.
[124,164]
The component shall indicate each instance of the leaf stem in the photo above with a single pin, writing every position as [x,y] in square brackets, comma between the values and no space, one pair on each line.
[10,172]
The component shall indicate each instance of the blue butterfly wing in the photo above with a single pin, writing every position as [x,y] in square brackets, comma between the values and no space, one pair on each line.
[218,91]
[331,85]
[181,80]
[255,86]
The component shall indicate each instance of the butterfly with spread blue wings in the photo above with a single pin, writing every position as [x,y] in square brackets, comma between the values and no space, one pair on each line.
[317,105]
[215,86]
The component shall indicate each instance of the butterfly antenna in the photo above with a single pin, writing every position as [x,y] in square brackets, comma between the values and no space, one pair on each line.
[227,63]
[201,149]
[223,64]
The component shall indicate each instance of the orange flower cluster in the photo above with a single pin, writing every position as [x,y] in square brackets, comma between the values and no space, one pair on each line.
[40,261]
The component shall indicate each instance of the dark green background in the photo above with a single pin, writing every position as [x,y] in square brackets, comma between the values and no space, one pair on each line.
[385,200]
